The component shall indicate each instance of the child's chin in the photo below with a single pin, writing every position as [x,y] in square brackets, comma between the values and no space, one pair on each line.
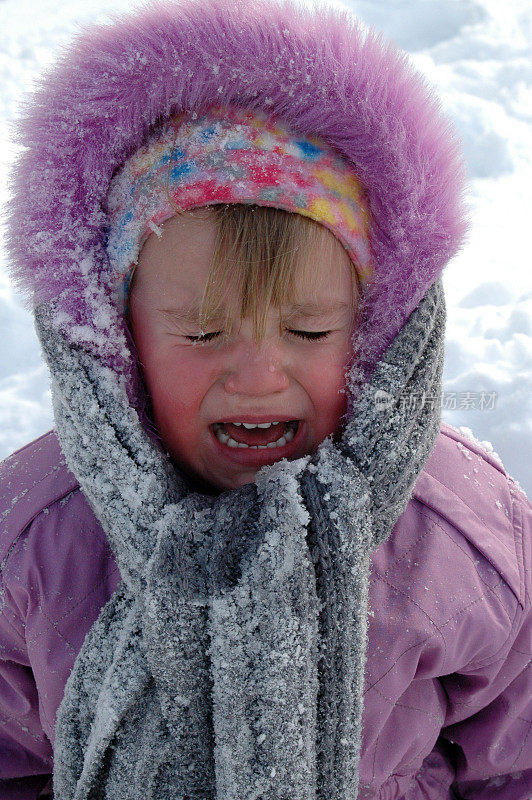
[197,482]
[214,487]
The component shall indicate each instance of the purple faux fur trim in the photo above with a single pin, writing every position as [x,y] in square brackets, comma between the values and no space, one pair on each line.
[315,68]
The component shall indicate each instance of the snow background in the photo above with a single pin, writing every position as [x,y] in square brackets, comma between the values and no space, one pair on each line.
[478,53]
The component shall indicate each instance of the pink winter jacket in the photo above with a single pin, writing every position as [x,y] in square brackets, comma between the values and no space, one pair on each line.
[448,697]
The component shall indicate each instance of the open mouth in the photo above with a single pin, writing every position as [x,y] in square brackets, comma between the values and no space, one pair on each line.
[257,445]
[239,435]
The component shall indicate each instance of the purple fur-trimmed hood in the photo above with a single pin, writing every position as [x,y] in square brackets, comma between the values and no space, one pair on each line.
[315,68]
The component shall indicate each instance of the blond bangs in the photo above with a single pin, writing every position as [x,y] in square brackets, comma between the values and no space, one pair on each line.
[255,251]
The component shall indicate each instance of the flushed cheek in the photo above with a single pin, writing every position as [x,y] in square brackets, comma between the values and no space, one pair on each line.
[177,387]
[327,392]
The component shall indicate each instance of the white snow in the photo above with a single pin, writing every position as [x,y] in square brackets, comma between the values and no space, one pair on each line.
[478,55]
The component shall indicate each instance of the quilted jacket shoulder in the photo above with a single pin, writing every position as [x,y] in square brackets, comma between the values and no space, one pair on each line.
[480,499]
[31,479]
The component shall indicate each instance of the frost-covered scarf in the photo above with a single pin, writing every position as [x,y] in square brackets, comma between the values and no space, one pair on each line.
[229,664]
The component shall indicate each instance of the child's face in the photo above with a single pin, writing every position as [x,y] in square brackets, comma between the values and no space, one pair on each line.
[192,386]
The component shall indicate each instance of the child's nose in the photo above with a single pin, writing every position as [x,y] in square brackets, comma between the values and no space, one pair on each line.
[257,371]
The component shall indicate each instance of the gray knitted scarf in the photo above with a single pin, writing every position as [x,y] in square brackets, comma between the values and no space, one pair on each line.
[229,664]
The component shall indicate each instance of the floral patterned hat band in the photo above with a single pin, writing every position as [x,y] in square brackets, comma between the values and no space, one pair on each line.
[231,155]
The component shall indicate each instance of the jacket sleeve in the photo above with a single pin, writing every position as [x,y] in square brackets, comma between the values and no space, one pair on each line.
[26,759]
[490,737]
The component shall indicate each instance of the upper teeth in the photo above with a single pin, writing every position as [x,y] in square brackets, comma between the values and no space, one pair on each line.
[222,435]
[258,425]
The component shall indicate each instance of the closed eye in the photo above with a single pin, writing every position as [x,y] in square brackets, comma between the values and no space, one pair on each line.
[204,337]
[311,335]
